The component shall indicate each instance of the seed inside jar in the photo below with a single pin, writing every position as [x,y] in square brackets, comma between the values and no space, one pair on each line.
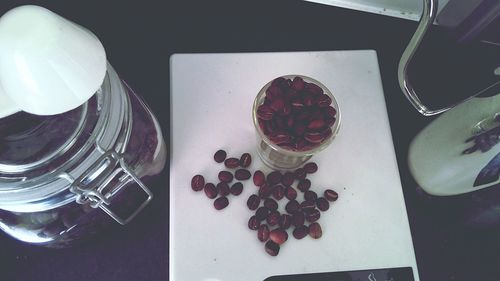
[296,115]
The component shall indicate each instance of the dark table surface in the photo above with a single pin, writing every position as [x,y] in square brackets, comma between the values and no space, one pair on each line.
[140,36]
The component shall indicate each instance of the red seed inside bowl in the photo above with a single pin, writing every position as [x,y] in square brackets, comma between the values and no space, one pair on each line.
[296,114]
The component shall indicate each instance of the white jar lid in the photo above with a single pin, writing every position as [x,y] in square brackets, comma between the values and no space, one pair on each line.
[48,64]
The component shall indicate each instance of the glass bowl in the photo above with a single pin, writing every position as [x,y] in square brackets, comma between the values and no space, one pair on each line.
[287,157]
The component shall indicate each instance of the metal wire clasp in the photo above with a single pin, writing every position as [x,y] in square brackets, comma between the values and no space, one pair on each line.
[105,179]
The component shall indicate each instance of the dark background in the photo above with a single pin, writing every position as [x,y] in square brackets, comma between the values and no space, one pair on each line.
[140,36]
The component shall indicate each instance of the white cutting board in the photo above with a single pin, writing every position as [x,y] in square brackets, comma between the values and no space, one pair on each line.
[211,103]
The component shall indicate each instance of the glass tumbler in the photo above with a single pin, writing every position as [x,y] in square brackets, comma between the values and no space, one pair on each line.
[288,156]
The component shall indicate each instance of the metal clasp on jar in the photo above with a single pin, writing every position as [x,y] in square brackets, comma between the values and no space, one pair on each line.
[103,181]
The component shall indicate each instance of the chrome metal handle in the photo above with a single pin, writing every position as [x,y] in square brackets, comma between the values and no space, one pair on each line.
[428,15]
[103,181]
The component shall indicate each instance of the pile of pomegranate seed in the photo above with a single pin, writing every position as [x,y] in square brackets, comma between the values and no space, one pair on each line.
[270,224]
[295,114]
[223,188]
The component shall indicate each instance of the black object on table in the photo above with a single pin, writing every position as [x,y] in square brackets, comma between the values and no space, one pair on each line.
[140,36]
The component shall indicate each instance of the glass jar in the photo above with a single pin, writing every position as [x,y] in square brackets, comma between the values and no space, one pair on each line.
[277,157]
[66,176]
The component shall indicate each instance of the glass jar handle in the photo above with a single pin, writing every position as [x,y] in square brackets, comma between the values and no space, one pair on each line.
[103,181]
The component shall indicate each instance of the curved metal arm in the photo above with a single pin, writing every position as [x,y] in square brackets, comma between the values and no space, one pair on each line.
[426,20]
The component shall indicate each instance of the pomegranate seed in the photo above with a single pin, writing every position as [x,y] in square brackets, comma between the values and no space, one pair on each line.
[221,203]
[285,221]
[210,190]
[279,192]
[300,232]
[292,206]
[290,193]
[271,204]
[311,167]
[220,156]
[312,215]
[242,174]
[237,188]
[262,213]
[272,248]
[331,195]
[304,185]
[298,83]
[223,189]
[253,202]
[225,176]
[273,218]
[278,236]
[298,219]
[274,177]
[245,160]
[198,183]
[310,196]
[232,163]
[315,230]
[253,223]
[259,178]
[322,204]
[263,233]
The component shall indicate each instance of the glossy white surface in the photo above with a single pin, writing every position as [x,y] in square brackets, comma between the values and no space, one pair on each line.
[48,65]
[211,104]
[435,156]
